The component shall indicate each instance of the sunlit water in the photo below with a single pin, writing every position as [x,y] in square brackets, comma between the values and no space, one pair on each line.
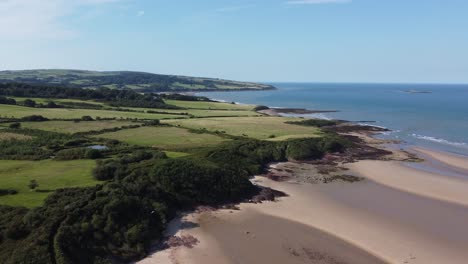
[437,118]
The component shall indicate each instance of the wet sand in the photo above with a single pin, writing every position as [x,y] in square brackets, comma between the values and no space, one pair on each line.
[398,214]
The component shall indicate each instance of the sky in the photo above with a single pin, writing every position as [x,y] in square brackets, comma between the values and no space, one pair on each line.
[403,41]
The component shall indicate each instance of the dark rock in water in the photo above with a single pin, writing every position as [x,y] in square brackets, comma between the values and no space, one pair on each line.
[267,194]
[357,128]
[417,92]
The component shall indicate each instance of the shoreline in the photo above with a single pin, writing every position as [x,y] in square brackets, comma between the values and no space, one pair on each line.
[395,226]
[413,216]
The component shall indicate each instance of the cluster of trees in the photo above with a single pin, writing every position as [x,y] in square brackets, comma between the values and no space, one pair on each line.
[185,97]
[126,97]
[78,153]
[314,122]
[41,145]
[46,144]
[5,100]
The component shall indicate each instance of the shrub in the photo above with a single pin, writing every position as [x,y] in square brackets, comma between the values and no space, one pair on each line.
[87,118]
[15,125]
[78,153]
[261,107]
[93,154]
[29,103]
[105,170]
[33,184]
[34,118]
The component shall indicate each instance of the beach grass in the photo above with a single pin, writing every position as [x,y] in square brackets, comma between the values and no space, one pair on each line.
[266,128]
[49,174]
[168,138]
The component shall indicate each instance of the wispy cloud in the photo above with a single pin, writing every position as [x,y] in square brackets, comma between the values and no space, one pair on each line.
[25,19]
[140,13]
[316,2]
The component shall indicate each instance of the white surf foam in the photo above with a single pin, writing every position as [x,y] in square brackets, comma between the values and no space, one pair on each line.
[440,140]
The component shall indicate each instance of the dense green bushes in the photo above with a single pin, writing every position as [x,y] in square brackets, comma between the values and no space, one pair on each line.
[5,100]
[34,118]
[78,153]
[7,192]
[185,97]
[41,145]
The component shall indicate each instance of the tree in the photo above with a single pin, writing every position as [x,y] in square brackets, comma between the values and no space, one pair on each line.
[29,103]
[33,184]
[52,104]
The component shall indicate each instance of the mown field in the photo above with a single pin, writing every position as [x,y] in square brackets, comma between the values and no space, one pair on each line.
[166,138]
[271,128]
[49,174]
[75,127]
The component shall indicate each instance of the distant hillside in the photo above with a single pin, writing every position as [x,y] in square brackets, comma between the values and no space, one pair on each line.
[140,81]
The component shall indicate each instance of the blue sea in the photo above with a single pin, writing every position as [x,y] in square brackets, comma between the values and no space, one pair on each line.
[427,115]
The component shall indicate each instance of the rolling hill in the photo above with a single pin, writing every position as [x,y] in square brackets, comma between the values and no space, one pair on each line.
[140,81]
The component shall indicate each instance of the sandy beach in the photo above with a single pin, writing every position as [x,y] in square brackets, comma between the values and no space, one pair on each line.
[397,214]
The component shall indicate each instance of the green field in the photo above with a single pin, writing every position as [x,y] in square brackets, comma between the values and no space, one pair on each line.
[209,105]
[255,127]
[169,138]
[50,175]
[175,154]
[14,111]
[56,100]
[207,112]
[75,127]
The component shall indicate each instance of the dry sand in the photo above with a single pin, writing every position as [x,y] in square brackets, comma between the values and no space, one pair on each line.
[397,215]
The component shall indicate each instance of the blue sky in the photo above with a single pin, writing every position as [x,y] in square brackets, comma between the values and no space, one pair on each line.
[257,40]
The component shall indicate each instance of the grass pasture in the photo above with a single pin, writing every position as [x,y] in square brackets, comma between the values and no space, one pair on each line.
[255,127]
[56,100]
[209,105]
[71,127]
[15,111]
[169,138]
[49,174]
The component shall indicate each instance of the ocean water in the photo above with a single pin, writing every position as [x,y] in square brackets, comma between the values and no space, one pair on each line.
[428,115]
